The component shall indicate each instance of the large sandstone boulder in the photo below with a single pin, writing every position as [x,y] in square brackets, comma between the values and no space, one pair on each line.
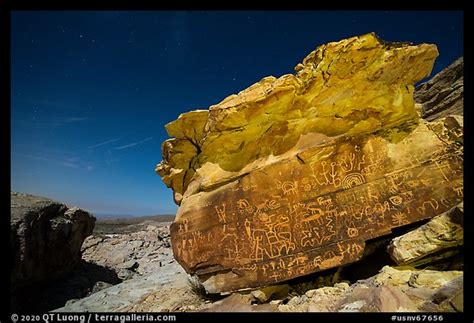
[292,175]
[45,237]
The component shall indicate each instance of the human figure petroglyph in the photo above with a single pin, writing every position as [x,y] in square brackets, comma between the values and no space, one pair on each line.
[258,250]
[335,180]
[184,227]
[197,236]
[221,214]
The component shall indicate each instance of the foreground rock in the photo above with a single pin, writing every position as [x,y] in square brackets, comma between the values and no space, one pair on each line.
[435,239]
[162,290]
[46,237]
[444,93]
[292,175]
[391,290]
[140,252]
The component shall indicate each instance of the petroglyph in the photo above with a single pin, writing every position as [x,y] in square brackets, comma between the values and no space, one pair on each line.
[353,179]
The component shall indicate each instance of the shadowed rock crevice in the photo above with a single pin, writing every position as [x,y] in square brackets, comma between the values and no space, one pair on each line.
[83,281]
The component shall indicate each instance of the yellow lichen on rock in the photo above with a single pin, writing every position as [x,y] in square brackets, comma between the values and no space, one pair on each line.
[351,87]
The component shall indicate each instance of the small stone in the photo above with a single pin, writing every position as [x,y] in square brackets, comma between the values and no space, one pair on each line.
[266,293]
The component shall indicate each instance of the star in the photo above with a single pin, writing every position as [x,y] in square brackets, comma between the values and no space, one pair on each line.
[80,36]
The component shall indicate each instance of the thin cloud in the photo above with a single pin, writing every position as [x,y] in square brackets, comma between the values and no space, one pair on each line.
[134,143]
[75,119]
[64,121]
[104,143]
[40,121]
[53,160]
[54,104]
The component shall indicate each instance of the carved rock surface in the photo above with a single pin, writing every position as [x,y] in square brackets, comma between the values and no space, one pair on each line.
[444,93]
[45,237]
[292,175]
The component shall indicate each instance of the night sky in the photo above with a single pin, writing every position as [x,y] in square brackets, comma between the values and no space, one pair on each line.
[91,91]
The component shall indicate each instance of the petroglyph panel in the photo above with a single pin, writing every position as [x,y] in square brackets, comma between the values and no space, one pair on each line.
[312,213]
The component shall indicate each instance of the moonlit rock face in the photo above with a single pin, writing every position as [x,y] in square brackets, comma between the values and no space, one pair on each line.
[293,174]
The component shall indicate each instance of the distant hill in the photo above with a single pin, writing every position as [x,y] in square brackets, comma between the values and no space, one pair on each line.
[128,219]
[119,224]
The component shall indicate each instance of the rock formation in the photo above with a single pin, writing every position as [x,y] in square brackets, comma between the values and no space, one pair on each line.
[433,240]
[136,253]
[292,175]
[45,237]
[444,93]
